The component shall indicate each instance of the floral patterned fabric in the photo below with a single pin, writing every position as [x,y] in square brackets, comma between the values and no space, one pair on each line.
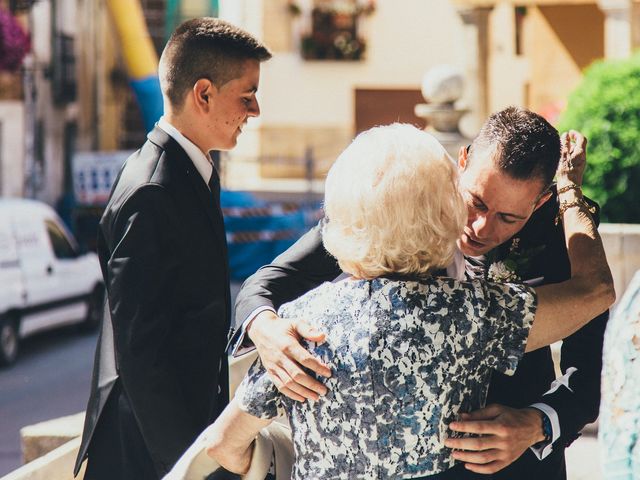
[407,357]
[620,408]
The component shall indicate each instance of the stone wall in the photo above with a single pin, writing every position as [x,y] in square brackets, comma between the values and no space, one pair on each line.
[12,148]
[622,245]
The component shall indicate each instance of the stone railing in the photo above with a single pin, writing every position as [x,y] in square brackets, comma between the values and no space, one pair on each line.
[55,465]
[622,245]
[50,448]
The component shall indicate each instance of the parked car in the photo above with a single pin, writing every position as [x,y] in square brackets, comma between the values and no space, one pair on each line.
[46,282]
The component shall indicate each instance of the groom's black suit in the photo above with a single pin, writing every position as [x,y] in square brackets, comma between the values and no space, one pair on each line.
[306,264]
[160,373]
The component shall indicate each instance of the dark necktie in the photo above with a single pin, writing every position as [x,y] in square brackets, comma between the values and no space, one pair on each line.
[214,184]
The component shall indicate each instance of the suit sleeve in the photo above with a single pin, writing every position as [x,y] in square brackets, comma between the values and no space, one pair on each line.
[304,266]
[576,399]
[139,275]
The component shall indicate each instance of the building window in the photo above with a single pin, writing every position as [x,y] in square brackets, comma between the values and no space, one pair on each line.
[334,29]
[16,6]
[520,14]
[62,248]
[1,158]
[177,11]
[64,69]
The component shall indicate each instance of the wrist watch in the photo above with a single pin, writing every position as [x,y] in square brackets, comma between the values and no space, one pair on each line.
[547,431]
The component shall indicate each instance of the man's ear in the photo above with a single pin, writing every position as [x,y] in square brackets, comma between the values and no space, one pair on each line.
[463,155]
[203,94]
[542,200]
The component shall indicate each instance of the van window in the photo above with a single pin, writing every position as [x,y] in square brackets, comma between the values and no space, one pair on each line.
[61,246]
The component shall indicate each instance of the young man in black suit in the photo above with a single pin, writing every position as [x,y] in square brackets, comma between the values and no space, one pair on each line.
[511,234]
[160,373]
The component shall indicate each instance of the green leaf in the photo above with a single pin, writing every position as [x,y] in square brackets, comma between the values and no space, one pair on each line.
[511,264]
[605,107]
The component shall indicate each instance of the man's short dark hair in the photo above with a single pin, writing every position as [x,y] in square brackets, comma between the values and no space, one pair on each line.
[205,48]
[526,145]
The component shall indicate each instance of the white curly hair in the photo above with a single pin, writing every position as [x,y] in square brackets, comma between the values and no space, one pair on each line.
[392,204]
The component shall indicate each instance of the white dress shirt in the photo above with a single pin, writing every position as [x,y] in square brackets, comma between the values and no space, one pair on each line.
[200,160]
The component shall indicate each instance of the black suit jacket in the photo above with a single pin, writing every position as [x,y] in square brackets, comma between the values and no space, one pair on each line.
[307,264]
[163,254]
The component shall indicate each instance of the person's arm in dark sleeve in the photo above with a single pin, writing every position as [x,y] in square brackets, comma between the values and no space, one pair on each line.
[139,277]
[575,397]
[302,267]
[573,400]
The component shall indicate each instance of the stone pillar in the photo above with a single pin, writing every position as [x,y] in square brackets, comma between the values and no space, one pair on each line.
[618,27]
[12,148]
[475,40]
[277,26]
[509,73]
[635,25]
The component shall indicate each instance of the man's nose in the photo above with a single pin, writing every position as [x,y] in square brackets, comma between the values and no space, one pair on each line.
[254,108]
[481,227]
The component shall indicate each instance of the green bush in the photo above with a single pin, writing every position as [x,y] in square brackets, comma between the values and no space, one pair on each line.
[606,109]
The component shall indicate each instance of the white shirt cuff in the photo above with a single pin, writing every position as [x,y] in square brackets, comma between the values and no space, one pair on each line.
[542,451]
[563,381]
[240,348]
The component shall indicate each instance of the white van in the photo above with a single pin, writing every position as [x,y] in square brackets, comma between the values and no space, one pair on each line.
[44,281]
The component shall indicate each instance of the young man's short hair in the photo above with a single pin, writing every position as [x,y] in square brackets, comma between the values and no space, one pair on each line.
[524,144]
[205,48]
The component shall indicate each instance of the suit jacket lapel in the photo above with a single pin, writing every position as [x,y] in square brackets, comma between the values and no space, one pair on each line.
[210,205]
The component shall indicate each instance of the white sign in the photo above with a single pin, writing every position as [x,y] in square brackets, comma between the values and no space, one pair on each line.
[94,174]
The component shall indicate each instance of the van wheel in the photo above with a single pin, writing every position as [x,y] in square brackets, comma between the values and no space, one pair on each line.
[8,340]
[95,307]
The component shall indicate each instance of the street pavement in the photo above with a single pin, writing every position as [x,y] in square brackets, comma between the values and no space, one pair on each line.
[53,375]
[51,379]
[583,459]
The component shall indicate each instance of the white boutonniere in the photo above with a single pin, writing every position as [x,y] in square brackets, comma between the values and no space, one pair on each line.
[501,272]
[514,265]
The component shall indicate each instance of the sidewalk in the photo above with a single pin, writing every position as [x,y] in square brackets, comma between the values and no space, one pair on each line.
[583,459]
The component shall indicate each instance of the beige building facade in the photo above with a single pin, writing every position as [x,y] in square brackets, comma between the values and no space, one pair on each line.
[311,103]
[535,51]
[38,108]
[523,52]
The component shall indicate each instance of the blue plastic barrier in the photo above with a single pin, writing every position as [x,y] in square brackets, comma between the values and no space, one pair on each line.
[259,231]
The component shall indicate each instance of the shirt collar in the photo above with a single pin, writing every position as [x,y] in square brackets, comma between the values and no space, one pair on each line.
[198,158]
[457,267]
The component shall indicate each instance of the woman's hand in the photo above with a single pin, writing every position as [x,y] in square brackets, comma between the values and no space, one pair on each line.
[230,439]
[573,159]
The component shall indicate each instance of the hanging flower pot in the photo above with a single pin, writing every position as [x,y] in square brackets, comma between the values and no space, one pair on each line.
[14,42]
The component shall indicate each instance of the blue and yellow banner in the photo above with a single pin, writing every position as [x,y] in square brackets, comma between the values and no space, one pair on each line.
[139,56]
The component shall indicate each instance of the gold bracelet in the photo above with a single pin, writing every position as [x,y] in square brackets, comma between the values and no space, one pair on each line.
[571,186]
[564,206]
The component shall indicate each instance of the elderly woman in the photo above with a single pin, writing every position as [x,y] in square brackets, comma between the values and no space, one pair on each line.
[409,351]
